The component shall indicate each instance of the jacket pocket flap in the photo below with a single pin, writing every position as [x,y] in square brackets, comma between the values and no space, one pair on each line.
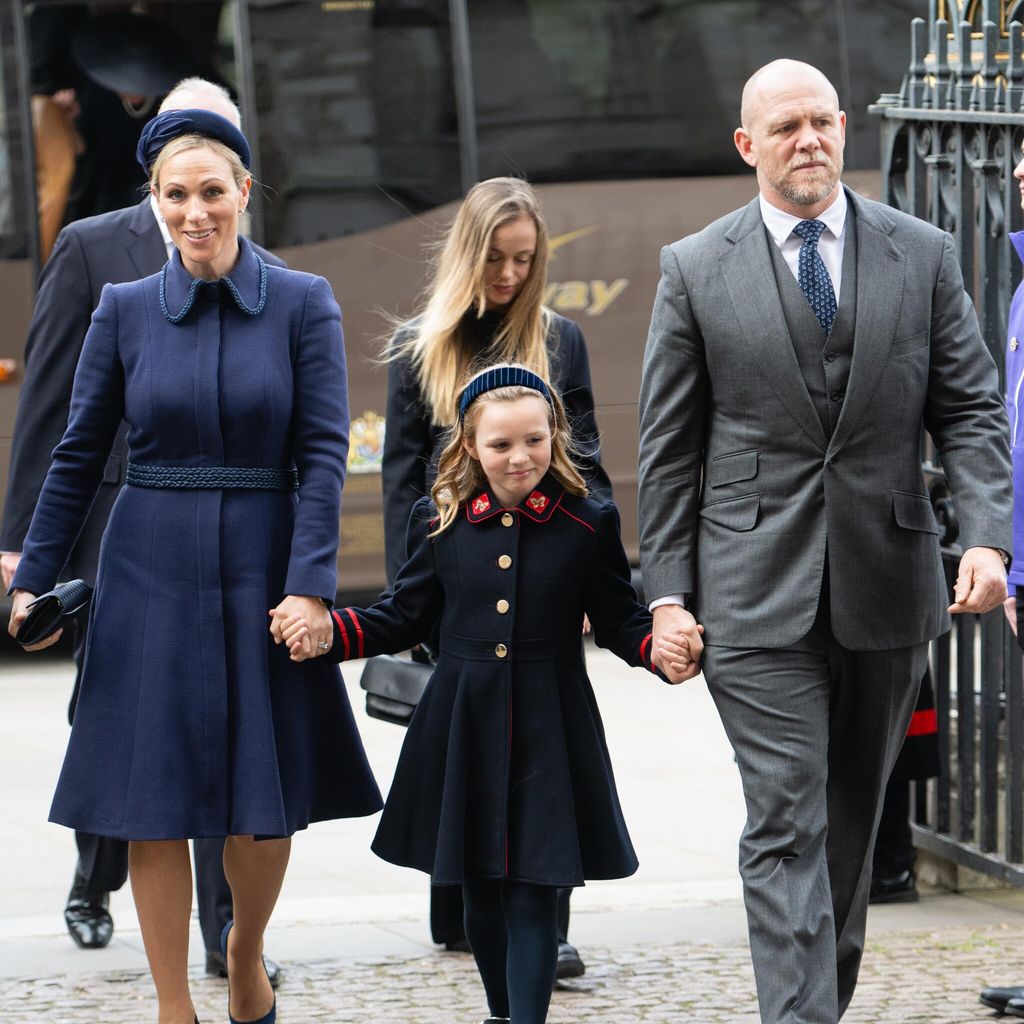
[911,343]
[734,513]
[728,469]
[914,512]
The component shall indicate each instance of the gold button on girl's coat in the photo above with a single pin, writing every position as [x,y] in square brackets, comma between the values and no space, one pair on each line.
[507,519]
[501,650]
[1013,344]
[502,606]
[505,561]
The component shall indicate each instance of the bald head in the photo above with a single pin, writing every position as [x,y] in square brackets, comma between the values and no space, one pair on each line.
[793,134]
[199,94]
[777,81]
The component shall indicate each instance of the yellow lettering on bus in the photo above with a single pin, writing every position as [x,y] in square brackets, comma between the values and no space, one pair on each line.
[603,294]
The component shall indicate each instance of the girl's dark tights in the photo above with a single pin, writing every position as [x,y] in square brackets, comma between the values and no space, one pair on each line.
[513,932]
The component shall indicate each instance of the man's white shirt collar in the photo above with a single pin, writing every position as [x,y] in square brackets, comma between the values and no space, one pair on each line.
[780,224]
[164,233]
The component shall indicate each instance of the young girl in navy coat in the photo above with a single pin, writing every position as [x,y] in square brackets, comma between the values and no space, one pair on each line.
[504,784]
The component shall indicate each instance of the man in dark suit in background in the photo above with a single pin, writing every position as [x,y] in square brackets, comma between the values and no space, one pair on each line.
[799,348]
[124,245]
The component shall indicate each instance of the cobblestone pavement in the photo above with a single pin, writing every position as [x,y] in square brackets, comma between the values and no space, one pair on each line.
[907,977]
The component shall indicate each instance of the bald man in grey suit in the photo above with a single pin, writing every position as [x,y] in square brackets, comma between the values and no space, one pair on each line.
[799,348]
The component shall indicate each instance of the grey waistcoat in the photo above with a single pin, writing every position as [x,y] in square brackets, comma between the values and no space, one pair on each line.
[824,362]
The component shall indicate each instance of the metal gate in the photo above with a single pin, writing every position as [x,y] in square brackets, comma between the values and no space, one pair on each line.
[950,140]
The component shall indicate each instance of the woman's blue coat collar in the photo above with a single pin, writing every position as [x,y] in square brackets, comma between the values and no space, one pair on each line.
[247,284]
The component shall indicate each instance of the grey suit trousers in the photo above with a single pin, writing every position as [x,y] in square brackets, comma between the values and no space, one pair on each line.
[816,729]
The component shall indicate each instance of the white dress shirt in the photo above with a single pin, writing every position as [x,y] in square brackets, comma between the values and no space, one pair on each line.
[155,207]
[830,246]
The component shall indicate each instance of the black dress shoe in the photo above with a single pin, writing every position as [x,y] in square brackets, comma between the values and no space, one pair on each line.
[569,964]
[87,917]
[898,889]
[217,968]
[997,998]
[1015,1007]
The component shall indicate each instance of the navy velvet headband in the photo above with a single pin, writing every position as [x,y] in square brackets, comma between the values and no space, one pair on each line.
[500,377]
[173,123]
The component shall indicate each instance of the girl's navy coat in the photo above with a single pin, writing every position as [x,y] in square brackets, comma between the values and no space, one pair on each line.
[504,773]
[191,722]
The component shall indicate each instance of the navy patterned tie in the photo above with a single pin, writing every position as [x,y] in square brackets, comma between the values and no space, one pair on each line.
[812,276]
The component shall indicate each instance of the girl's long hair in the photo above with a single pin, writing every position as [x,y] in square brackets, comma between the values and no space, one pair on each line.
[459,476]
[433,341]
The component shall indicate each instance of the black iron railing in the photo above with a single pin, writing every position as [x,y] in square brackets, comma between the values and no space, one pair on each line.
[950,140]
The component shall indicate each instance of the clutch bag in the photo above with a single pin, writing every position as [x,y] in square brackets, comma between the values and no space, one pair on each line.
[393,687]
[53,611]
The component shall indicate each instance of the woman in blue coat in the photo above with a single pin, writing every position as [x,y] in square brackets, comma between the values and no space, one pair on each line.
[191,722]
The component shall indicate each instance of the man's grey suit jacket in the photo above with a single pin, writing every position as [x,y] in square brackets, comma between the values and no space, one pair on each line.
[742,495]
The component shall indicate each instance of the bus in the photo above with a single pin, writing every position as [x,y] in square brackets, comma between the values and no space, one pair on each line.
[370,118]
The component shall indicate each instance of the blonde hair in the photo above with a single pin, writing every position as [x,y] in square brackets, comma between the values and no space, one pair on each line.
[433,343]
[459,475]
[194,140]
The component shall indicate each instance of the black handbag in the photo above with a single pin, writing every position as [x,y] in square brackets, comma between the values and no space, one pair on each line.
[53,611]
[394,686]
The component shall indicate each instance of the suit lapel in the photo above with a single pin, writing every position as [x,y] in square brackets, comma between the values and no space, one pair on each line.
[146,245]
[750,281]
[881,267]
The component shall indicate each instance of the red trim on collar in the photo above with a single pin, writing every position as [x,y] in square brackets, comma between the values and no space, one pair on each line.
[482,507]
[545,512]
[485,506]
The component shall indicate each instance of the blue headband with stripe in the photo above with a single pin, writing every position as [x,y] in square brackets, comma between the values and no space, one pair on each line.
[173,123]
[500,377]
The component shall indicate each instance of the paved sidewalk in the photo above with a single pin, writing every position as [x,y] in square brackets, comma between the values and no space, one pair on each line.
[908,976]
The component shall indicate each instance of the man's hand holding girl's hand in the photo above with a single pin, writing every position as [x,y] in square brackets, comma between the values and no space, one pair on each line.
[677,643]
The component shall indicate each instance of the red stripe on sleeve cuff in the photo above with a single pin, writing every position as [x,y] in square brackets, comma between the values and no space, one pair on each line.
[344,634]
[359,631]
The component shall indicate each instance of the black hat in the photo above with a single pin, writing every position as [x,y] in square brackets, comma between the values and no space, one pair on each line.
[133,53]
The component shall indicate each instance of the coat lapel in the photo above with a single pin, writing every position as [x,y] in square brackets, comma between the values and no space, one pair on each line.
[750,281]
[146,245]
[881,267]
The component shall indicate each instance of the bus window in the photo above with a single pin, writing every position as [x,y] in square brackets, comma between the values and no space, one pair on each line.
[355,112]
[568,90]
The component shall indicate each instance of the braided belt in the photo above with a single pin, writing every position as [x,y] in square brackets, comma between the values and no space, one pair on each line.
[199,478]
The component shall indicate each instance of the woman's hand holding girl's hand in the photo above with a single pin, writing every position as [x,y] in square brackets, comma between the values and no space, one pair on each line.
[19,612]
[304,625]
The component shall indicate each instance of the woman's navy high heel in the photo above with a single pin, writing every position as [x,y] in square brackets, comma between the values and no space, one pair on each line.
[270,1017]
